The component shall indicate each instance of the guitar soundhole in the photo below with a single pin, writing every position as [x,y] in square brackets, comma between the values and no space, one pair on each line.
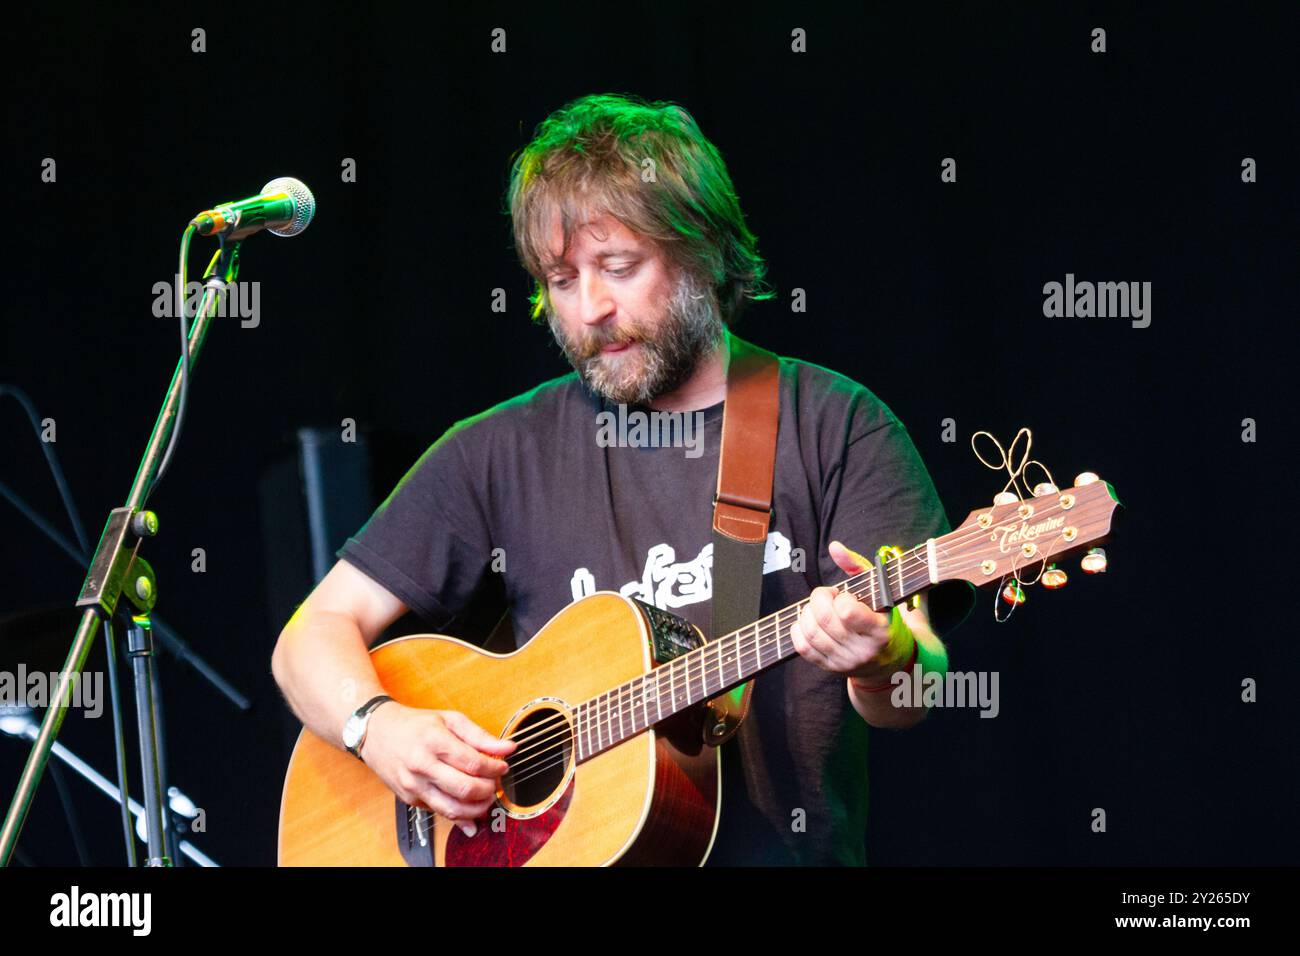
[541,763]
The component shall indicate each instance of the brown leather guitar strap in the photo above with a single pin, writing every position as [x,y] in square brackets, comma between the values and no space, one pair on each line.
[742,512]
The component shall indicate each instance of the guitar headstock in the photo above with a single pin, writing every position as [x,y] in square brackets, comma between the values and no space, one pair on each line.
[1016,536]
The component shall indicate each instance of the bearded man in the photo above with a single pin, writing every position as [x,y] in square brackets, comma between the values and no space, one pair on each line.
[625,216]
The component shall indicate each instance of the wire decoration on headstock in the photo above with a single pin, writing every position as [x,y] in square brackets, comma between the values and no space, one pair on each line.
[1010,590]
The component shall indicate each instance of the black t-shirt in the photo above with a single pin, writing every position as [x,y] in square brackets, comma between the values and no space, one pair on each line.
[529,501]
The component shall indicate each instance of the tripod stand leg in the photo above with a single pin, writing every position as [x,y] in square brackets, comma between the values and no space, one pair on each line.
[119,741]
[140,650]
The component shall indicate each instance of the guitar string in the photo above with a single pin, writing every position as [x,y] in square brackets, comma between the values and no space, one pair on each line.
[763,637]
[540,762]
[555,754]
[638,691]
[536,730]
[641,691]
[628,689]
[624,691]
[557,727]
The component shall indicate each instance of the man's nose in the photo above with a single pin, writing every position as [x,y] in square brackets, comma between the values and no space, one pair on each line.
[595,304]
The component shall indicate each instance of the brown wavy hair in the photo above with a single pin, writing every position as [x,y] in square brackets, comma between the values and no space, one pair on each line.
[648,165]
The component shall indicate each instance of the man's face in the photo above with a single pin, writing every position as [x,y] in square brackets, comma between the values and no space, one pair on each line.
[630,326]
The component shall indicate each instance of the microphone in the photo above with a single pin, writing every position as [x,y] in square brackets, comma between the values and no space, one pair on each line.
[285,207]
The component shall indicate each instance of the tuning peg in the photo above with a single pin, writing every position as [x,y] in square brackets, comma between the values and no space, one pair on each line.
[1013,593]
[1054,577]
[1085,478]
[1005,498]
[1094,562]
[1045,488]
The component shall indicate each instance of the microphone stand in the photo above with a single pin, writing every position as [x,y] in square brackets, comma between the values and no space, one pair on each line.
[118,570]
[168,638]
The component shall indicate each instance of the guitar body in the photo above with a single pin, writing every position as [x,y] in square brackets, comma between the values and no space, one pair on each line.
[650,800]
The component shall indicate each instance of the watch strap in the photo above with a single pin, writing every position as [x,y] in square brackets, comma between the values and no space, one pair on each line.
[361,713]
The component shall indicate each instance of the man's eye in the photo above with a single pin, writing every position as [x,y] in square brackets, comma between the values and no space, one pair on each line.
[620,273]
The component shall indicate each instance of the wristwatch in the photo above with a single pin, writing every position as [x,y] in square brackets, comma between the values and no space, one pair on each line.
[354,731]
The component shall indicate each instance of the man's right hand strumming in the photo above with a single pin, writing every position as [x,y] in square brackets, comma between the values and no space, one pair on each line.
[437,759]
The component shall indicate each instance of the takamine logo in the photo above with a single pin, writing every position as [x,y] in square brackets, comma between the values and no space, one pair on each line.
[1014,535]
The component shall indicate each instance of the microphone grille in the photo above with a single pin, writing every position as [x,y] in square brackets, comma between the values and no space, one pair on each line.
[304,202]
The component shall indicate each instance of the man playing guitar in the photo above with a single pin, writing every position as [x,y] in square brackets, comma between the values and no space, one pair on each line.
[625,216]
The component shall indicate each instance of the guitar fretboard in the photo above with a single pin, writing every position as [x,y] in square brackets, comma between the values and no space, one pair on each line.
[704,673]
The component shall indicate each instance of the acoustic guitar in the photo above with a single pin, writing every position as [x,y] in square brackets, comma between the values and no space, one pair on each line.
[607,703]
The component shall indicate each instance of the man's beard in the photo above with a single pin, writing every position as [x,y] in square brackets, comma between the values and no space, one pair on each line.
[668,355]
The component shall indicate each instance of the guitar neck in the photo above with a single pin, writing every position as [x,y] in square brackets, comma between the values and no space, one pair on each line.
[991,543]
[718,666]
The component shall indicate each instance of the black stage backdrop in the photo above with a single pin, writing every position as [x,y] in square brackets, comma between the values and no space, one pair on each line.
[1122,692]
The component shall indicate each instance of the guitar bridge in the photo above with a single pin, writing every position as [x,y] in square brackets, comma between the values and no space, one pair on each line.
[414,834]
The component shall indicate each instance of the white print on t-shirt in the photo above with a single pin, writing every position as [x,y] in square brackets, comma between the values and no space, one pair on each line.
[667,583]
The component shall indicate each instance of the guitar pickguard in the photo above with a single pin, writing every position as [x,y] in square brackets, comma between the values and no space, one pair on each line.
[516,841]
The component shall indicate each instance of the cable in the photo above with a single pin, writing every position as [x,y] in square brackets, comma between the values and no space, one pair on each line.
[181,272]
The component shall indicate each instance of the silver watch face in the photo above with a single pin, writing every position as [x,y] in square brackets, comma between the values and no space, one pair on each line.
[352,731]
